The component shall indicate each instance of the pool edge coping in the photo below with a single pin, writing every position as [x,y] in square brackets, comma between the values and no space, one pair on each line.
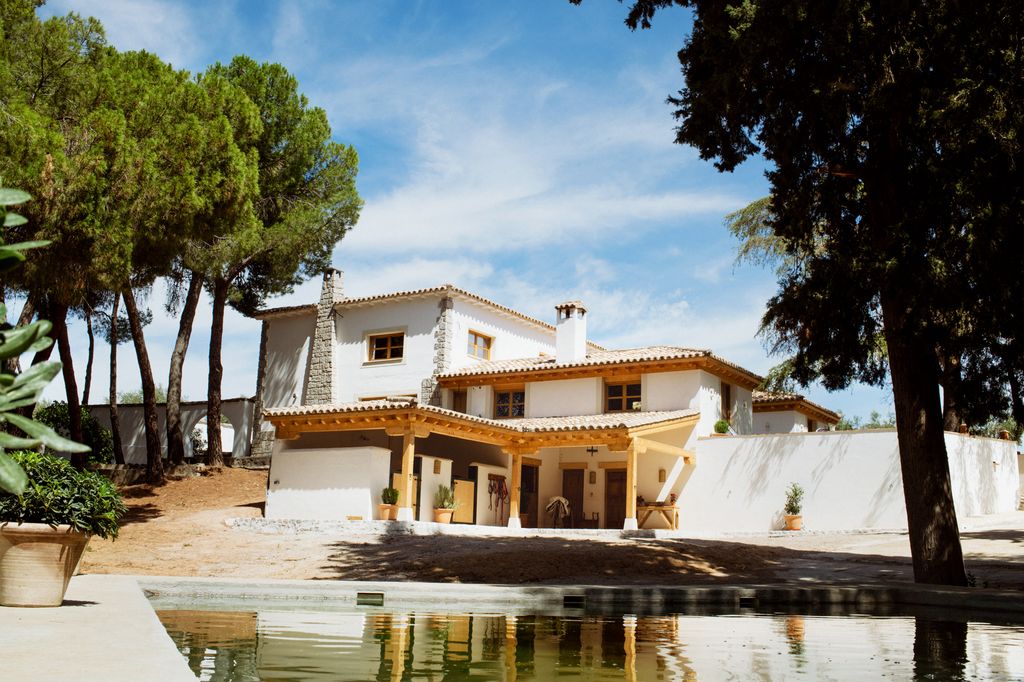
[494,596]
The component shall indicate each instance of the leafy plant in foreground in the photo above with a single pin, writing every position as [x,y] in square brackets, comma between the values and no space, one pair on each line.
[58,493]
[25,388]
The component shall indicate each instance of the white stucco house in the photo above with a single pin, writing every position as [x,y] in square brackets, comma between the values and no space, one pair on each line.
[439,386]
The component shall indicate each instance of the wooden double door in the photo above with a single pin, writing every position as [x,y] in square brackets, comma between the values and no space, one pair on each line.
[573,484]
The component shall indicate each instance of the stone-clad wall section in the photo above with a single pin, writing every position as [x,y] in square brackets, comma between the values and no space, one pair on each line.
[430,394]
[320,390]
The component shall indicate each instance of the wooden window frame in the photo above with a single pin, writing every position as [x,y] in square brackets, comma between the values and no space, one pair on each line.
[625,397]
[511,390]
[370,338]
[473,346]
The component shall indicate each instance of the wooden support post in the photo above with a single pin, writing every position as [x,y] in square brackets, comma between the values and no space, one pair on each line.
[631,453]
[409,432]
[405,493]
[514,492]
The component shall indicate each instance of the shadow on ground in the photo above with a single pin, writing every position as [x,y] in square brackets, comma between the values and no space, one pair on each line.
[141,513]
[462,559]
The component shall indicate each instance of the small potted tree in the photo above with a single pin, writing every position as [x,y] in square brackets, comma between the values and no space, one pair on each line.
[722,427]
[794,504]
[44,530]
[388,507]
[444,504]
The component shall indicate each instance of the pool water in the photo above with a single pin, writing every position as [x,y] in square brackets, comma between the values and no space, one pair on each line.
[379,644]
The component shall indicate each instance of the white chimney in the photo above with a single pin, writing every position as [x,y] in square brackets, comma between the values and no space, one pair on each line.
[571,332]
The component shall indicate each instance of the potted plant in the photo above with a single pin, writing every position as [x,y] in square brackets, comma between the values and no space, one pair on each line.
[722,427]
[444,504]
[44,530]
[794,503]
[388,508]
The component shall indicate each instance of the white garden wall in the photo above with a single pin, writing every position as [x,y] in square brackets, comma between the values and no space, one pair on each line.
[315,483]
[852,480]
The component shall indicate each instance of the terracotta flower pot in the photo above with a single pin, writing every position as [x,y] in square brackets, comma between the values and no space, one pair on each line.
[794,521]
[443,515]
[387,512]
[36,563]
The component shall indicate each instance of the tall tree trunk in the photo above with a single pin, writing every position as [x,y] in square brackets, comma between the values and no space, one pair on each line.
[28,311]
[154,456]
[214,448]
[951,374]
[115,421]
[92,350]
[175,436]
[931,518]
[60,331]
[45,313]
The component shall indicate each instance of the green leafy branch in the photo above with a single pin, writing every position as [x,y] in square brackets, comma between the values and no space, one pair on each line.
[24,389]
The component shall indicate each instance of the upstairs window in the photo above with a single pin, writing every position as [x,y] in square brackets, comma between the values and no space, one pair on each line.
[509,403]
[726,401]
[386,346]
[480,345]
[620,397]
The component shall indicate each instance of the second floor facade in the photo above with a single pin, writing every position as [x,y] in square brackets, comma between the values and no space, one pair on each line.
[450,348]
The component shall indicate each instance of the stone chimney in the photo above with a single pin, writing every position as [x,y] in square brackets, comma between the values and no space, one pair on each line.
[570,332]
[320,388]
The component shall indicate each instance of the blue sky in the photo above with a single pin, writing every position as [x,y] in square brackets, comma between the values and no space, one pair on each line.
[520,150]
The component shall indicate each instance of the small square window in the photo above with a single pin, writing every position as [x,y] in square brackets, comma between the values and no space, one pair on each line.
[621,397]
[386,346]
[480,345]
[509,404]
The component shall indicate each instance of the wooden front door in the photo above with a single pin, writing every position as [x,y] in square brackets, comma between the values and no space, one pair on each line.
[528,496]
[614,498]
[572,490]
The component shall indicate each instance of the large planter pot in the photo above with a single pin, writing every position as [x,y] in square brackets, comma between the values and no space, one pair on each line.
[794,521]
[36,563]
[443,515]
[387,512]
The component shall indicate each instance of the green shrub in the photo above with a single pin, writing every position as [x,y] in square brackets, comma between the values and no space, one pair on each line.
[722,426]
[794,499]
[57,416]
[389,495]
[57,493]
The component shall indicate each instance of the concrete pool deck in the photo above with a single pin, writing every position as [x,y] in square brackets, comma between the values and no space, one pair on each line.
[108,630]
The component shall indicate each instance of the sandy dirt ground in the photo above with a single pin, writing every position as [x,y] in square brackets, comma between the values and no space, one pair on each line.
[179,529]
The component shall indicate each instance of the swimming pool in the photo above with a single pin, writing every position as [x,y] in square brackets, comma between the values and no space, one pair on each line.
[374,643]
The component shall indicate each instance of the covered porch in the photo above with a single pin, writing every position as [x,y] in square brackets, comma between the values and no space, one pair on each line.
[606,460]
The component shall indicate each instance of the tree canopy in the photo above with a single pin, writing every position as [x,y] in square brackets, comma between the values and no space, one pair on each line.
[892,135]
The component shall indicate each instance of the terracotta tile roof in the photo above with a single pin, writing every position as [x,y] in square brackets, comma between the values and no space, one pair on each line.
[769,398]
[447,289]
[594,358]
[589,422]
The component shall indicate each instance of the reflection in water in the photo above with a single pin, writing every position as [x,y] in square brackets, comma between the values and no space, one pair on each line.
[379,645]
[940,649]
